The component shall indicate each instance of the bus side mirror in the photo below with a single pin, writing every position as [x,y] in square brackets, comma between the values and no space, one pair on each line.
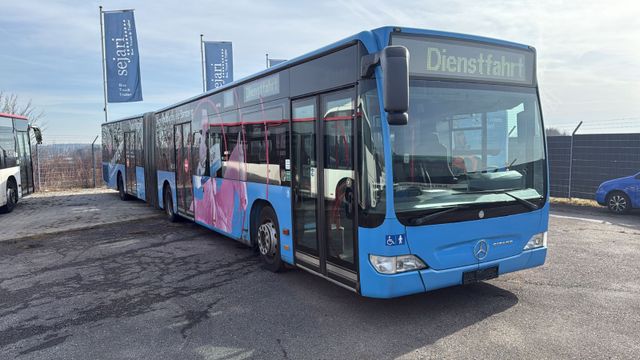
[37,133]
[394,61]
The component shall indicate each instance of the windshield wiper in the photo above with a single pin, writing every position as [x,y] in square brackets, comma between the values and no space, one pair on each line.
[525,202]
[426,218]
[530,205]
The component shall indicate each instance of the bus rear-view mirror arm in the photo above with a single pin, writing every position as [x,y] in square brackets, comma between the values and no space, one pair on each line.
[37,133]
[394,61]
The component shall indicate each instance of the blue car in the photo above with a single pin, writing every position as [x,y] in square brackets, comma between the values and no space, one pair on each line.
[620,195]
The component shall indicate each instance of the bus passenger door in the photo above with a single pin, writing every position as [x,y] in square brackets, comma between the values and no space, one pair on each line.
[338,183]
[26,166]
[304,182]
[130,162]
[323,185]
[184,195]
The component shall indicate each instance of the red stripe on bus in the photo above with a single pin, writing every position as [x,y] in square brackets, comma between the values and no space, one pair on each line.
[334,118]
[14,116]
[266,143]
[238,123]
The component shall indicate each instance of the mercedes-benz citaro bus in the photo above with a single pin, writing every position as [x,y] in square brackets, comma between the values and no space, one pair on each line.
[393,162]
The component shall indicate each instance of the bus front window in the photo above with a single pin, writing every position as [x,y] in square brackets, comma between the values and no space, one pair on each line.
[467,145]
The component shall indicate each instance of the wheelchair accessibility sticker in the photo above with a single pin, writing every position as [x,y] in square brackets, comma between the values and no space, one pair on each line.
[393,240]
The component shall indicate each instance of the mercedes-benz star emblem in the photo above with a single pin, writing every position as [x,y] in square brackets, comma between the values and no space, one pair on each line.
[481,250]
[481,214]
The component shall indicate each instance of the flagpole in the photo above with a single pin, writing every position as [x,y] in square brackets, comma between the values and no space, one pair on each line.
[104,70]
[204,82]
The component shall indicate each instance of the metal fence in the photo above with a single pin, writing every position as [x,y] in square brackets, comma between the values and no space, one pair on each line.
[66,163]
[578,164]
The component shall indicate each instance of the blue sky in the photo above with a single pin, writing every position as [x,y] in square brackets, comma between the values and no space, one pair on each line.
[588,53]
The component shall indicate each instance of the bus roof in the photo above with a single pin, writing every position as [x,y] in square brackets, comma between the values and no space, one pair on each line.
[13,116]
[374,40]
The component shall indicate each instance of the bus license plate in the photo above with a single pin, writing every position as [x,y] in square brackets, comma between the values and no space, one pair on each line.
[479,275]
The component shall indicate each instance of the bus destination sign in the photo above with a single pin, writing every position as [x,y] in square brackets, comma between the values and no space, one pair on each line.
[466,60]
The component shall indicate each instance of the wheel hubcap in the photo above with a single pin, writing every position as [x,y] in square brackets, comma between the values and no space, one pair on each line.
[267,239]
[617,203]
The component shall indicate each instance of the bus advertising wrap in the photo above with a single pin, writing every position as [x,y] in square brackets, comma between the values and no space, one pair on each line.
[467,60]
[219,63]
[121,57]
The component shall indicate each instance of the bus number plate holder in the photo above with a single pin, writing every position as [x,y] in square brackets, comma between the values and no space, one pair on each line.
[479,275]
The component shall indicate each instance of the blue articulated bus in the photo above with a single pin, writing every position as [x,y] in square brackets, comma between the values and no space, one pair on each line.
[393,162]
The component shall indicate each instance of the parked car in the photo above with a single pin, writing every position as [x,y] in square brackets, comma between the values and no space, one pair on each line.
[620,195]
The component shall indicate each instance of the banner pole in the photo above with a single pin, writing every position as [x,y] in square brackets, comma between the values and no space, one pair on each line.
[104,70]
[204,81]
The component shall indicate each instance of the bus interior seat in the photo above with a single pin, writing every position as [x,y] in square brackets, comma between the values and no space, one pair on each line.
[435,160]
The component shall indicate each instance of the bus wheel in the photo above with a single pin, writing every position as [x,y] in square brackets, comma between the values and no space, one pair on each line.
[123,195]
[267,238]
[168,205]
[12,197]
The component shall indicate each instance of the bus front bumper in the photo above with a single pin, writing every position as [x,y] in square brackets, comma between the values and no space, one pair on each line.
[376,285]
[437,279]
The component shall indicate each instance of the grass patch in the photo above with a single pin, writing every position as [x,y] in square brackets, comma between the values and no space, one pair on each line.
[574,202]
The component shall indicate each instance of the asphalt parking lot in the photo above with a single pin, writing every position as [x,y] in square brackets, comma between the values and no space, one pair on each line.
[143,288]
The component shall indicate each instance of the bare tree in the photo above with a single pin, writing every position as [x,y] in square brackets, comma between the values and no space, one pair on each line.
[9,103]
[555,132]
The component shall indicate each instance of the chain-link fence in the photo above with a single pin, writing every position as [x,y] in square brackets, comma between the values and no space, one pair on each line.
[578,164]
[63,162]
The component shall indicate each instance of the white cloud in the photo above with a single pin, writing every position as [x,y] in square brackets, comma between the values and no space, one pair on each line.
[587,52]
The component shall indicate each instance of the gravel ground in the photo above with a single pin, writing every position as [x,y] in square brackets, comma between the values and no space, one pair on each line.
[149,289]
[51,212]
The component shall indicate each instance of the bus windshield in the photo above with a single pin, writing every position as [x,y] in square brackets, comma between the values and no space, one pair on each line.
[467,144]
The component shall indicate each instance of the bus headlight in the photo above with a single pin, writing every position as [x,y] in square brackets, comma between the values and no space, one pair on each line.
[396,264]
[536,241]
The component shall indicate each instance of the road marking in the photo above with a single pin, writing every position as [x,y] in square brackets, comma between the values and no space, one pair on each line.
[580,218]
[590,220]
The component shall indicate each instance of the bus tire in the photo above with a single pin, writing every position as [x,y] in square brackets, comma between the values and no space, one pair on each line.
[268,239]
[12,197]
[121,193]
[168,204]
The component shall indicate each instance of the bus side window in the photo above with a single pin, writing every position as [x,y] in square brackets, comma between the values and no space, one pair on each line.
[278,135]
[200,153]
[215,151]
[6,142]
[371,158]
